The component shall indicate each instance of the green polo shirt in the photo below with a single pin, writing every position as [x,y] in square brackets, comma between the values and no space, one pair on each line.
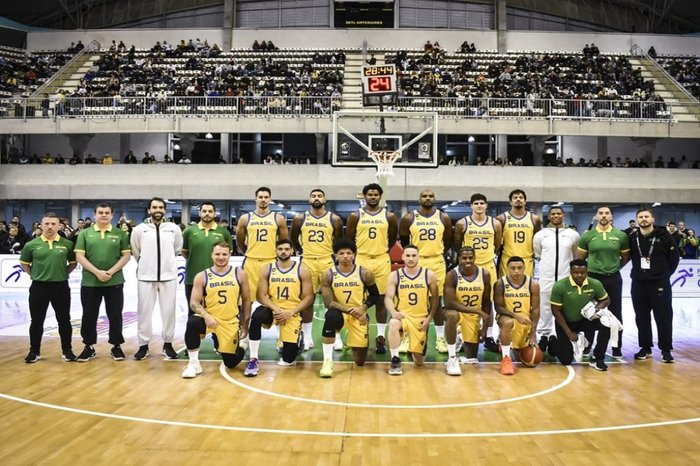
[604,248]
[199,243]
[48,259]
[571,297]
[103,249]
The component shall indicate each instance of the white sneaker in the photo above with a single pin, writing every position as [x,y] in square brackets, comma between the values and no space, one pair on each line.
[282,362]
[468,361]
[338,345]
[452,366]
[404,345]
[308,344]
[191,371]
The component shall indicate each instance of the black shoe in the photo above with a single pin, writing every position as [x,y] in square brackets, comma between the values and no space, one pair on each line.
[168,351]
[598,365]
[544,341]
[87,354]
[395,367]
[142,353]
[32,357]
[667,357]
[617,353]
[643,354]
[552,346]
[586,351]
[69,356]
[491,345]
[380,345]
[117,353]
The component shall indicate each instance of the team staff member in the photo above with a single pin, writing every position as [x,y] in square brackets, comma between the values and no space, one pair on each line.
[654,259]
[256,235]
[155,245]
[519,228]
[430,229]
[198,242]
[373,228]
[411,299]
[569,296]
[517,303]
[608,250]
[313,233]
[48,260]
[467,304]
[103,251]
[216,294]
[284,290]
[348,291]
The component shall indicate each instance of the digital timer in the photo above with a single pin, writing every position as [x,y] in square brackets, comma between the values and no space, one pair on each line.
[378,84]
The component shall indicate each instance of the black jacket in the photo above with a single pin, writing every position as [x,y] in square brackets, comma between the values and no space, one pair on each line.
[664,257]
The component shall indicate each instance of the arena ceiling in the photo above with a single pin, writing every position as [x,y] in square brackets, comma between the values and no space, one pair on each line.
[656,16]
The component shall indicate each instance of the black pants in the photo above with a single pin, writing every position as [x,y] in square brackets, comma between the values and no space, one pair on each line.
[613,285]
[656,296]
[197,327]
[91,298]
[58,295]
[564,348]
[188,295]
[263,316]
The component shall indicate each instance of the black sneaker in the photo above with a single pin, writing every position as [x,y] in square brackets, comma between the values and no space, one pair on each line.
[667,357]
[552,346]
[69,356]
[598,365]
[87,354]
[395,367]
[117,353]
[380,345]
[617,353]
[168,351]
[643,354]
[142,353]
[491,345]
[543,343]
[32,357]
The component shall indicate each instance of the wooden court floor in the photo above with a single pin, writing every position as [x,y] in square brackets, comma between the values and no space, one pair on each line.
[107,412]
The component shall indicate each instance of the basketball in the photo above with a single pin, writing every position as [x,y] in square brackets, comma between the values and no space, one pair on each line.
[530,356]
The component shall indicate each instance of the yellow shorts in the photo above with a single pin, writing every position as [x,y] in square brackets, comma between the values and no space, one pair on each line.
[358,334]
[521,334]
[437,265]
[380,266]
[317,267]
[470,325]
[491,269]
[227,333]
[253,267]
[289,331]
[529,266]
[417,339]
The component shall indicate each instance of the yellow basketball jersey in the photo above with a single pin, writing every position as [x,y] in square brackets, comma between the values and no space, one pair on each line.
[317,235]
[426,233]
[412,293]
[222,294]
[517,300]
[481,237]
[517,236]
[470,290]
[261,236]
[285,286]
[372,234]
[348,289]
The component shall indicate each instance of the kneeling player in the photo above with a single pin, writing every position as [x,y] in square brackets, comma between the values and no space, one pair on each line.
[344,288]
[517,302]
[220,288]
[284,291]
[467,304]
[415,289]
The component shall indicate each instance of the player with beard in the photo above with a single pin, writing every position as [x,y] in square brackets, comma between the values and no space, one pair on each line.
[519,228]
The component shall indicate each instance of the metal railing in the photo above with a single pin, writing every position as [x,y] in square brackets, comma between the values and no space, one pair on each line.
[637,50]
[91,48]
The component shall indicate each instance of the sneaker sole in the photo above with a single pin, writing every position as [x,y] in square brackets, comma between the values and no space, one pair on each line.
[37,359]
[141,359]
[250,374]
[86,360]
[118,358]
[325,376]
[169,357]
[396,373]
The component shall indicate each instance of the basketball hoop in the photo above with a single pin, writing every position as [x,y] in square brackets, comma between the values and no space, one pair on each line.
[385,162]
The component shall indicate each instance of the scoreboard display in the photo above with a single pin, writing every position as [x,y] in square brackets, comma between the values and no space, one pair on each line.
[378,84]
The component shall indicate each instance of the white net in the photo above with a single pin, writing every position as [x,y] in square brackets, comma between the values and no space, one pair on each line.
[385,162]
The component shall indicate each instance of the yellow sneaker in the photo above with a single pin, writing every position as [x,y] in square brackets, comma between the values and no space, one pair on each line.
[441,345]
[403,346]
[326,371]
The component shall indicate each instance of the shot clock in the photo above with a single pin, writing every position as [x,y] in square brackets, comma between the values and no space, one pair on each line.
[378,85]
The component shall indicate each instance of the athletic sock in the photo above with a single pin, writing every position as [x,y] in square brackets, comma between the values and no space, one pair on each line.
[254,345]
[440,331]
[194,355]
[306,328]
[451,350]
[505,350]
[381,330]
[327,351]
[394,353]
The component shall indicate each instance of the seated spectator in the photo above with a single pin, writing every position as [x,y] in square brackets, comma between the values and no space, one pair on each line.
[672,163]
[689,245]
[167,159]
[47,159]
[130,158]
[372,60]
[11,242]
[59,160]
[90,159]
[107,160]
[75,160]
[652,52]
[659,163]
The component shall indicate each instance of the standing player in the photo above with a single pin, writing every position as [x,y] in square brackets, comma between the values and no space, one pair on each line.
[555,247]
[256,235]
[348,291]
[484,234]
[314,232]
[416,293]
[519,228]
[467,304]
[216,295]
[284,291]
[374,228]
[517,303]
[608,250]
[103,251]
[430,229]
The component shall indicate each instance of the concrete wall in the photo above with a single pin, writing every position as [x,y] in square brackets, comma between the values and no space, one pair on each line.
[646,148]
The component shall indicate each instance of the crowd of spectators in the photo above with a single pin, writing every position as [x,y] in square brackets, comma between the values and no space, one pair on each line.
[22,72]
[685,70]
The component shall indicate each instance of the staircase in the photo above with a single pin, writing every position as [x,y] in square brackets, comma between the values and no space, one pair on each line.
[69,76]
[352,82]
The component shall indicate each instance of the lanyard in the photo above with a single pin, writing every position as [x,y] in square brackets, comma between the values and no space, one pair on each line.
[651,248]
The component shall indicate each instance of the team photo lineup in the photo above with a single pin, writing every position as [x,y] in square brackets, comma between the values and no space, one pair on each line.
[474,280]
